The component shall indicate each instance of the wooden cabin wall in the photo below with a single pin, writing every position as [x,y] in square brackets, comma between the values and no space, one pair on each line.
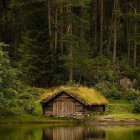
[48,109]
[80,109]
[63,105]
[95,108]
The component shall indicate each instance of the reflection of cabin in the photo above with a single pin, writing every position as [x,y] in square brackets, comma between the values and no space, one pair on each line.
[72,101]
[63,133]
[73,133]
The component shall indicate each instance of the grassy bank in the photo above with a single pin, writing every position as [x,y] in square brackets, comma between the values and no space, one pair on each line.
[116,111]
[25,118]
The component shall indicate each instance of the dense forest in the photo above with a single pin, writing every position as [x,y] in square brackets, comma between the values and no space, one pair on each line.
[47,43]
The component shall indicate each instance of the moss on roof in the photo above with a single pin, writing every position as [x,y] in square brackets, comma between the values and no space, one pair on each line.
[89,96]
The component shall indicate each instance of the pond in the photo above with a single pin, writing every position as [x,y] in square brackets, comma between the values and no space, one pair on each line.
[61,132]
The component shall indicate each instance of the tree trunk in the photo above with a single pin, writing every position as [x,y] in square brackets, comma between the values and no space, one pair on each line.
[56,27]
[101,26]
[49,22]
[115,23]
[128,31]
[110,36]
[128,40]
[69,31]
[94,13]
[135,46]
[114,40]
[61,35]
[135,31]
[71,56]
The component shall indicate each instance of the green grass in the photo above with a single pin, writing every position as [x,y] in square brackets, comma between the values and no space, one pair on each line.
[119,107]
[26,118]
[120,110]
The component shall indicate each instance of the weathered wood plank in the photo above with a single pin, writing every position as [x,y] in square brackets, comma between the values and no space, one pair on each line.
[65,105]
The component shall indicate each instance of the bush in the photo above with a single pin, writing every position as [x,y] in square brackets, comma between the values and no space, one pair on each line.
[1,97]
[137,107]
[133,95]
[38,110]
[31,92]
[10,93]
[6,111]
[7,72]
[108,90]
[28,106]
[25,96]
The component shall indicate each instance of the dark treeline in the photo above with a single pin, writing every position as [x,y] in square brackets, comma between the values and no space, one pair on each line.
[51,42]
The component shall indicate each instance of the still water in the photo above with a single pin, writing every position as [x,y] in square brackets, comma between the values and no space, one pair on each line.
[54,132]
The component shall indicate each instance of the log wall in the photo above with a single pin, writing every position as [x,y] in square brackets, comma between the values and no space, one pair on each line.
[64,105]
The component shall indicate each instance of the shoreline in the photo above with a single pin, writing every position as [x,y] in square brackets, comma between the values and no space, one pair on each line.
[70,121]
[114,123]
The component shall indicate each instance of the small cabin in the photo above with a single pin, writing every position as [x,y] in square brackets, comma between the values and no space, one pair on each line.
[72,101]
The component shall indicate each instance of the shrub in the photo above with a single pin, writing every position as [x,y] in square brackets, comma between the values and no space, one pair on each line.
[133,95]
[136,108]
[10,93]
[29,108]
[1,97]
[28,105]
[37,110]
[4,111]
[108,90]
[25,96]
[31,92]
[7,72]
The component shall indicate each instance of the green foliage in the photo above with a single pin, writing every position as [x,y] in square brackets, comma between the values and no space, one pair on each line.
[119,107]
[29,107]
[137,107]
[37,61]
[8,80]
[10,93]
[31,92]
[15,99]
[108,90]
[126,69]
[12,111]
[37,110]
[133,95]
[72,84]
[137,84]
[27,99]
[7,73]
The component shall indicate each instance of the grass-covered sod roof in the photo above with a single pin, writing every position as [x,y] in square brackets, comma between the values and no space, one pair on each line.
[87,96]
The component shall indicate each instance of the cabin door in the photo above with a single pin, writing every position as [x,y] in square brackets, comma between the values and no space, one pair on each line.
[63,108]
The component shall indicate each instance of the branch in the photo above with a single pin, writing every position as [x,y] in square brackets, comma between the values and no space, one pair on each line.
[133,7]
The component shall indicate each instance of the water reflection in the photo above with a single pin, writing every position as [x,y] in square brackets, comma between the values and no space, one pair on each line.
[96,134]
[73,133]
[51,132]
